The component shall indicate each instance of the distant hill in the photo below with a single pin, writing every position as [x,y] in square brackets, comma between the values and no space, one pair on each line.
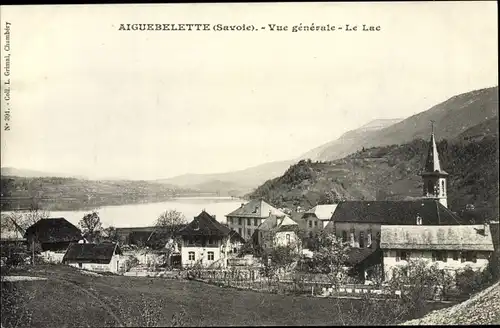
[222,188]
[241,182]
[392,172]
[55,193]
[452,118]
[236,182]
[478,132]
[349,141]
[11,171]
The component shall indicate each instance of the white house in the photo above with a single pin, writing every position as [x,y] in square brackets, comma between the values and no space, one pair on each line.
[105,257]
[315,219]
[277,231]
[207,243]
[451,247]
[246,219]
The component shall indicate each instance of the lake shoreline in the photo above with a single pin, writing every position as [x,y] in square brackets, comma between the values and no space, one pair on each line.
[144,214]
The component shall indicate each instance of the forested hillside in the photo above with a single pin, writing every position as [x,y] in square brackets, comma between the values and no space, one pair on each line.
[392,172]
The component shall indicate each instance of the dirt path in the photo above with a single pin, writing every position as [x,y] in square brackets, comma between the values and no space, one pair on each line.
[101,302]
[21,278]
[84,290]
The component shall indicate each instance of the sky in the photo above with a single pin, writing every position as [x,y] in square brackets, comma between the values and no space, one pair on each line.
[90,100]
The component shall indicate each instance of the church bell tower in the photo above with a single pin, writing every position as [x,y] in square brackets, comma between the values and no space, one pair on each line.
[433,176]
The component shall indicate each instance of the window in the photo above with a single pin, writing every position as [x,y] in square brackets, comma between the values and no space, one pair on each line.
[255,222]
[442,186]
[210,256]
[190,241]
[230,220]
[288,239]
[361,239]
[455,255]
[353,239]
[310,234]
[310,224]
[369,238]
[315,224]
[469,256]
[212,241]
[249,221]
[430,187]
[80,265]
[249,232]
[402,256]
[191,256]
[344,236]
[239,231]
[240,221]
[442,256]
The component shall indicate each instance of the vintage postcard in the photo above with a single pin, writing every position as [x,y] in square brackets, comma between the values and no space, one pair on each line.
[249,164]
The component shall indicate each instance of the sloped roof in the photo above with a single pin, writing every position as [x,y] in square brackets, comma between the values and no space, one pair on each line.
[290,227]
[256,208]
[395,212]
[91,252]
[236,237]
[278,223]
[204,225]
[358,255]
[447,237]
[322,212]
[54,230]
[432,164]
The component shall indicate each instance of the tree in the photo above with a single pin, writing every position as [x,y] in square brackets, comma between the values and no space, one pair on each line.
[417,282]
[111,234]
[91,225]
[279,260]
[25,219]
[330,256]
[169,222]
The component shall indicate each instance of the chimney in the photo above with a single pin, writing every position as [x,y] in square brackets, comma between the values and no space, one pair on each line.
[242,204]
[419,220]
[486,227]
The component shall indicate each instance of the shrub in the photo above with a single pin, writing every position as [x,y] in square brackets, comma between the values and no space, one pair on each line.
[470,281]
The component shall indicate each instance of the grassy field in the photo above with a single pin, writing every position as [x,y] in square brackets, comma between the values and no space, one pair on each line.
[69,298]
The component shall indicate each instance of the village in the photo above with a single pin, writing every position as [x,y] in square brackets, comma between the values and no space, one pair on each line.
[345,248]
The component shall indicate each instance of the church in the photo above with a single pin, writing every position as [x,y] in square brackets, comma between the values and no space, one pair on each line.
[359,222]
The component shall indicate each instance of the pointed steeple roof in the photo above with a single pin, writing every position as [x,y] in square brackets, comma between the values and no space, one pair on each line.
[432,164]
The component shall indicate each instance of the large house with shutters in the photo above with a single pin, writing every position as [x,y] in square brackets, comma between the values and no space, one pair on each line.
[208,243]
[449,247]
[248,217]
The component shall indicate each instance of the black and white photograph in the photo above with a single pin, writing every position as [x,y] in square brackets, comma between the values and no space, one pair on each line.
[249,164]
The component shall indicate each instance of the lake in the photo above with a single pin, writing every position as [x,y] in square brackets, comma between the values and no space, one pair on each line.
[142,215]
